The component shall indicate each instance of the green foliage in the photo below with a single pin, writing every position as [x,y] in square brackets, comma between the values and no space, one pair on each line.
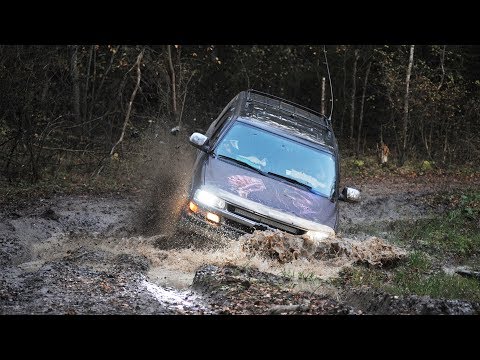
[306,276]
[418,262]
[453,236]
[290,274]
[301,276]
[426,166]
[449,234]
[358,163]
[455,233]
[366,166]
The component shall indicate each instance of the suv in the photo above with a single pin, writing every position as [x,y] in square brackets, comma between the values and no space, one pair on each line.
[266,163]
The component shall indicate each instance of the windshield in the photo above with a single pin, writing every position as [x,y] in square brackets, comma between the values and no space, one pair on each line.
[276,155]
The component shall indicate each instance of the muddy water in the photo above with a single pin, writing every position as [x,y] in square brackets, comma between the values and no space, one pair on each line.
[87,255]
[113,254]
[178,267]
[171,268]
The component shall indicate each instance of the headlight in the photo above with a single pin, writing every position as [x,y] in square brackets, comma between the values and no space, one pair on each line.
[213,217]
[319,235]
[206,198]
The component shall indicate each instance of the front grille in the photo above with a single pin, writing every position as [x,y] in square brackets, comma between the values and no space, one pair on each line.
[238,226]
[264,220]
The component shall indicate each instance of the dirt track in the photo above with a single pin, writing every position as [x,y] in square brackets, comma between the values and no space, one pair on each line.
[106,255]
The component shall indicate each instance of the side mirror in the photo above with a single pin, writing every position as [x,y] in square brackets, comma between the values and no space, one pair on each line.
[350,194]
[200,141]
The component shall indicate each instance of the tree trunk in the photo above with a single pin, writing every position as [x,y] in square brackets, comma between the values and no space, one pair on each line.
[171,74]
[323,97]
[442,62]
[75,83]
[360,120]
[87,84]
[92,97]
[344,91]
[405,107]
[354,90]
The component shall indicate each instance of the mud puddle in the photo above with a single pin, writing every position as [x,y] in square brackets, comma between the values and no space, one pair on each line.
[77,255]
[84,255]
[113,255]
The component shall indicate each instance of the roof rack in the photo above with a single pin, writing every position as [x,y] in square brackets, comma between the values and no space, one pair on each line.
[288,106]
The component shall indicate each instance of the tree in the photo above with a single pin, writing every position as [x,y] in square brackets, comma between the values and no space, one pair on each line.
[403,152]
[354,90]
[360,120]
[75,83]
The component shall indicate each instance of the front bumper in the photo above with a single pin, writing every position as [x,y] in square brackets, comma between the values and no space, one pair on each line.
[231,224]
[237,215]
[194,223]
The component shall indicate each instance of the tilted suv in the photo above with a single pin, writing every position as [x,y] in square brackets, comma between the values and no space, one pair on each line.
[266,163]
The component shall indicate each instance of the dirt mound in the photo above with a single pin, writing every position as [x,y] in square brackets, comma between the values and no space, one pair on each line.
[286,248]
[240,290]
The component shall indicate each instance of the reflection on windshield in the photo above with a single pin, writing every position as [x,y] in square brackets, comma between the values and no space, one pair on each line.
[253,160]
[272,153]
[307,179]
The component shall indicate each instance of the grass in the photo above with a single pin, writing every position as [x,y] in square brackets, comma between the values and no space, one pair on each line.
[456,233]
[415,276]
[451,238]
[301,276]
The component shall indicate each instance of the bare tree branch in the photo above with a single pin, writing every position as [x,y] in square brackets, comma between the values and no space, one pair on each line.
[129,108]
[132,97]
[184,98]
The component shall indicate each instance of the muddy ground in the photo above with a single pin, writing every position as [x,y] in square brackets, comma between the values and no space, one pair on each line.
[119,254]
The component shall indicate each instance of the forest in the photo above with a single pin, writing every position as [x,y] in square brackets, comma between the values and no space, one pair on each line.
[80,109]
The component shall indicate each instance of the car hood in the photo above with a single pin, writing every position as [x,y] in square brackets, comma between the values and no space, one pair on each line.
[270,192]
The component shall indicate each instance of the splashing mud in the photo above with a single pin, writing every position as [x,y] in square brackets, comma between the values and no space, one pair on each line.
[285,248]
[123,254]
[277,253]
[163,171]
[268,251]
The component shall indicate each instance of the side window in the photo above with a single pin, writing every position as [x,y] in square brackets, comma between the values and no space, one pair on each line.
[219,124]
[211,128]
[221,118]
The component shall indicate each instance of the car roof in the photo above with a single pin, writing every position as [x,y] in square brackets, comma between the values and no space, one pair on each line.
[286,116]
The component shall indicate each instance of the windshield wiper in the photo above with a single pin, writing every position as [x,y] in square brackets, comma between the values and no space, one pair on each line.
[293,181]
[241,163]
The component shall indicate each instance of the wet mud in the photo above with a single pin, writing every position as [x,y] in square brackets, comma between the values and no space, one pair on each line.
[122,254]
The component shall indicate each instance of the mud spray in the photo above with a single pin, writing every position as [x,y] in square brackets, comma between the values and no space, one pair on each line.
[174,256]
[164,170]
